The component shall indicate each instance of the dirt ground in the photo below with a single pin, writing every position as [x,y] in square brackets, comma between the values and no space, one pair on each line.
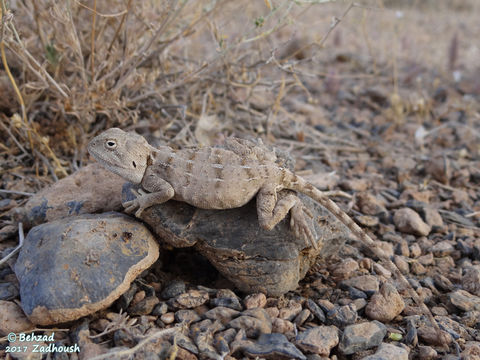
[378,98]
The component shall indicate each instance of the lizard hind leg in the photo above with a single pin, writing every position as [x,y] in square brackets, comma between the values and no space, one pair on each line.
[271,211]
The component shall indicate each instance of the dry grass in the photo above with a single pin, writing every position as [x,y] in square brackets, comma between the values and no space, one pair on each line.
[195,71]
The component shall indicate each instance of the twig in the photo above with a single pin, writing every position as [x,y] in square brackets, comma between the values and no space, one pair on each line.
[21,237]
[133,350]
[16,192]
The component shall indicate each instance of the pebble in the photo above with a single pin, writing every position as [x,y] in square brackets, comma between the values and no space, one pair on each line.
[342,316]
[366,283]
[273,312]
[223,339]
[362,336]
[471,281]
[252,326]
[186,316]
[426,259]
[222,314]
[315,310]
[442,248]
[417,268]
[433,218]
[464,300]
[385,305]
[302,317]
[402,264]
[173,289]
[290,312]
[415,250]
[318,340]
[8,291]
[191,299]
[255,300]
[380,270]
[272,346]
[168,318]
[143,307]
[442,283]
[160,309]
[389,352]
[426,353]
[282,326]
[345,269]
[430,336]
[409,222]
[230,302]
[12,319]
[402,248]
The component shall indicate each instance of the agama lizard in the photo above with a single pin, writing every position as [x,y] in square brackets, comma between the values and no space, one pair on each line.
[221,178]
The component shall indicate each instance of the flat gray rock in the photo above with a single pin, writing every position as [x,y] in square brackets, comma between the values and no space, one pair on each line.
[254,259]
[73,267]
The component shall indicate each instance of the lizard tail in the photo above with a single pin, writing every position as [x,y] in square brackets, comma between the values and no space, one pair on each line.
[301,185]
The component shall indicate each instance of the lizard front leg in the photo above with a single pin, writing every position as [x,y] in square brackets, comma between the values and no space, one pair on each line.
[160,192]
[271,212]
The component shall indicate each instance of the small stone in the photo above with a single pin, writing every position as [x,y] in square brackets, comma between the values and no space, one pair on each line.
[356,294]
[442,248]
[223,339]
[342,316]
[186,316]
[471,281]
[8,291]
[12,319]
[369,204]
[273,312]
[252,326]
[359,303]
[345,269]
[272,346]
[385,305]
[442,283]
[402,248]
[402,264]
[426,353]
[389,352]
[255,300]
[168,318]
[230,302]
[362,336]
[380,270]
[315,310]
[367,220]
[433,218]
[160,309]
[282,326]
[144,307]
[426,259]
[302,317]
[291,311]
[430,336]
[471,351]
[415,250]
[191,299]
[408,221]
[173,289]
[222,314]
[367,283]
[464,300]
[183,354]
[318,340]
[417,268]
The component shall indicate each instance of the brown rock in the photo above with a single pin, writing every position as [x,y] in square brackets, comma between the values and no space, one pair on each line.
[252,326]
[385,305]
[369,204]
[415,250]
[222,314]
[367,283]
[401,264]
[345,269]
[255,300]
[408,221]
[318,340]
[426,353]
[465,301]
[282,326]
[430,336]
[168,318]
[471,281]
[92,189]
[12,319]
[191,299]
[291,311]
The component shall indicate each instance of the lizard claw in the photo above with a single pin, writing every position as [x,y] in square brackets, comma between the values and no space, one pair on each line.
[300,225]
[131,205]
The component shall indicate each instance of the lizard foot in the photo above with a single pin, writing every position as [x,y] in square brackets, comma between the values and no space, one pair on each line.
[301,226]
[137,203]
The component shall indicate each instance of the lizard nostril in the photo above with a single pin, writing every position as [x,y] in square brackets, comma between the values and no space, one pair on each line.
[134,165]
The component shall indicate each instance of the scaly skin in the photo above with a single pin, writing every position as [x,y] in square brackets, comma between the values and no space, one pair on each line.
[222,178]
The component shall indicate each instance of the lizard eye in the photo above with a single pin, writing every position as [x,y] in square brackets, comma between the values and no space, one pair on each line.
[110,144]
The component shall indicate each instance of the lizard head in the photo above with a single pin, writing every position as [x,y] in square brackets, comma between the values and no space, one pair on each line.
[125,154]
